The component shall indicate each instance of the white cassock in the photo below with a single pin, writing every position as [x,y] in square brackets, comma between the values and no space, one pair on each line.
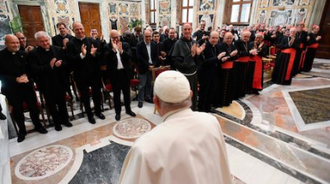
[187,148]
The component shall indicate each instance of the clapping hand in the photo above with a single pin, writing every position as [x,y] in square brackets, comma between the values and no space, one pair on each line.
[22,79]
[83,49]
[318,38]
[58,63]
[222,54]
[93,50]
[200,49]
[232,54]
[52,62]
[120,47]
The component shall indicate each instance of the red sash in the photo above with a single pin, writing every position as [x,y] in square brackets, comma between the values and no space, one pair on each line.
[301,45]
[257,76]
[243,59]
[314,46]
[303,56]
[292,53]
[227,65]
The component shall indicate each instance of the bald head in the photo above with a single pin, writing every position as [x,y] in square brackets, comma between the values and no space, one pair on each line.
[228,38]
[214,38]
[147,36]
[12,43]
[114,36]
[186,30]
[79,30]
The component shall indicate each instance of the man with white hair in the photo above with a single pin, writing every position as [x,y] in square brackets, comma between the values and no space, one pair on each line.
[188,147]
[50,70]
[17,85]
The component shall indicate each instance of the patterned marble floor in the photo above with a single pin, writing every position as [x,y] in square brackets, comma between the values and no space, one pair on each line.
[263,140]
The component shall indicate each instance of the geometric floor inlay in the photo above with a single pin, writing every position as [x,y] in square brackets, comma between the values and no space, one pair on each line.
[310,107]
[43,162]
[131,128]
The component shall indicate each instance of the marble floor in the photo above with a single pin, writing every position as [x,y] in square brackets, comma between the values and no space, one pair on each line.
[267,141]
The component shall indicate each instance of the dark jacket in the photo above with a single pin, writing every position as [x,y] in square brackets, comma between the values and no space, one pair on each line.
[143,56]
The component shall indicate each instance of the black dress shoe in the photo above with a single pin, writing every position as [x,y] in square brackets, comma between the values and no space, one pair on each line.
[91,119]
[100,115]
[2,116]
[140,104]
[131,113]
[117,117]
[20,137]
[58,127]
[41,130]
[67,123]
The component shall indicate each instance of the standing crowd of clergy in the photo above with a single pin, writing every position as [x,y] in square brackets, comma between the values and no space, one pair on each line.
[221,66]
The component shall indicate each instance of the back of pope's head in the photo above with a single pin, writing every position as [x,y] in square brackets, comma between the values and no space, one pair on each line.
[172,87]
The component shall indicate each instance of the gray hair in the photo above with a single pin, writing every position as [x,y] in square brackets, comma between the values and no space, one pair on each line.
[260,35]
[41,34]
[174,106]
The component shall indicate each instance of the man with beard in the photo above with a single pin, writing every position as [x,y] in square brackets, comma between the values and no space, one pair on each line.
[167,46]
[49,68]
[84,55]
[117,58]
[17,85]
[186,55]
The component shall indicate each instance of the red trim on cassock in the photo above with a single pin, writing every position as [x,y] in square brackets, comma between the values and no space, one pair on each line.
[227,65]
[257,76]
[303,55]
[243,59]
[292,53]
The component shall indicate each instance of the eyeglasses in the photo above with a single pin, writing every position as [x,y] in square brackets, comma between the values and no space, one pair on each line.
[115,37]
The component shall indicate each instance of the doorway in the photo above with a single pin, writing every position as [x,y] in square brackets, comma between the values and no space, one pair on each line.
[324,48]
[32,22]
[90,17]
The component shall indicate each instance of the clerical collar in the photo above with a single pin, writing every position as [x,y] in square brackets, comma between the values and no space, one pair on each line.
[13,53]
[81,38]
[47,50]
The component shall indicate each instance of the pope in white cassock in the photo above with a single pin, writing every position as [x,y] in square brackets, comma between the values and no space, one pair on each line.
[187,148]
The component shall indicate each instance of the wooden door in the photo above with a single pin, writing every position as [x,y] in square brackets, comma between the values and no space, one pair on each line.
[324,49]
[32,22]
[90,17]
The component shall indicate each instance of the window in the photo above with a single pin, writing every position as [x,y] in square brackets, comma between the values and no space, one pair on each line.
[240,11]
[153,12]
[187,11]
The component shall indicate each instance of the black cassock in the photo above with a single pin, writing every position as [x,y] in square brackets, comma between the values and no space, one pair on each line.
[312,45]
[283,70]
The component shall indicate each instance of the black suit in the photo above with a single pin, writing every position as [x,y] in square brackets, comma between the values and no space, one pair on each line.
[143,68]
[207,76]
[58,39]
[51,81]
[11,67]
[119,78]
[86,72]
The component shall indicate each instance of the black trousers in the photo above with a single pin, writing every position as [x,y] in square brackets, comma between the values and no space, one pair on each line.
[121,83]
[83,86]
[26,94]
[55,100]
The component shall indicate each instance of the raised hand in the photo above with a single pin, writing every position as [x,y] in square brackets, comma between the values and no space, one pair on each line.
[193,49]
[200,49]
[93,50]
[233,53]
[318,38]
[120,47]
[65,41]
[83,49]
[222,54]
[114,45]
[52,62]
[58,63]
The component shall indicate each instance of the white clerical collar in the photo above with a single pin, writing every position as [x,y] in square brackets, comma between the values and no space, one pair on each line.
[13,53]
[46,49]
